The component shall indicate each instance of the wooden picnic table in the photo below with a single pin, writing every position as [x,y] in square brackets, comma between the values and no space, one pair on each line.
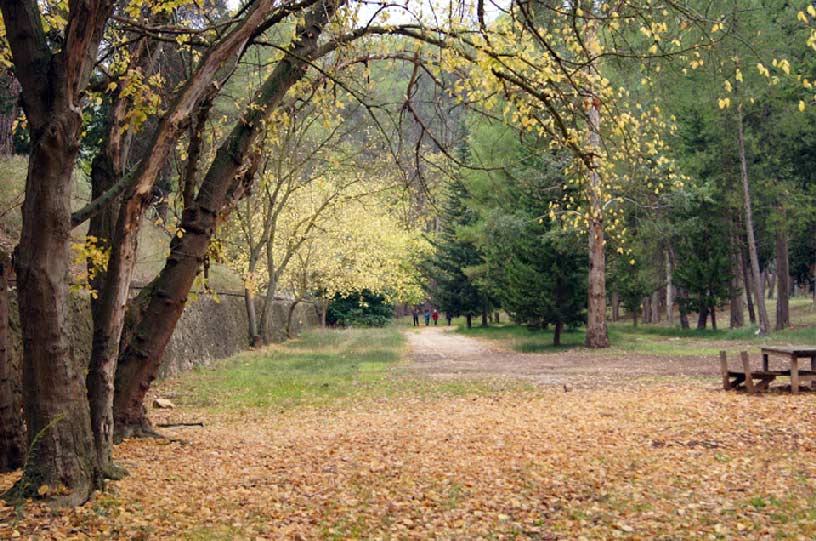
[793,353]
[757,381]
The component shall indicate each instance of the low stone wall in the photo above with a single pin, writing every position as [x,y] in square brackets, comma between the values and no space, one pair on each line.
[208,330]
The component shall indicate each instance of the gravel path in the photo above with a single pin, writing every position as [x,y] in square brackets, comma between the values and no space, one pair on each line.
[443,353]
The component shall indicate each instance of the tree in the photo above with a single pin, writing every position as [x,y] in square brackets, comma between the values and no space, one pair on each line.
[448,285]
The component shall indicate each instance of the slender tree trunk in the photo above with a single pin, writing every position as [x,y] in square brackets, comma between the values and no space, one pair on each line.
[469,319]
[615,301]
[749,287]
[713,311]
[485,316]
[656,307]
[12,427]
[782,310]
[749,227]
[684,321]
[770,278]
[634,317]
[557,333]
[289,315]
[249,302]
[646,315]
[737,316]
[669,290]
[597,335]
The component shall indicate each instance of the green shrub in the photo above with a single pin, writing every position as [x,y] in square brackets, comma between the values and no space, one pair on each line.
[363,309]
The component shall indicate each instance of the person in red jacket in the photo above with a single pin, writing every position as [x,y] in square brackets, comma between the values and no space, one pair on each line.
[435,316]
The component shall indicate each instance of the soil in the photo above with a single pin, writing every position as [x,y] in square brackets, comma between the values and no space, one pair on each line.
[442,353]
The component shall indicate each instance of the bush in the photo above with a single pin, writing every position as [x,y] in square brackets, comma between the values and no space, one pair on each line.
[363,309]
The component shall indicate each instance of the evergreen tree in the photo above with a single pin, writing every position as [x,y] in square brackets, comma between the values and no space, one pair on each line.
[448,284]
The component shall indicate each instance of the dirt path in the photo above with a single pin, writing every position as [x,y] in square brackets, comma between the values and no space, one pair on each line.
[440,352]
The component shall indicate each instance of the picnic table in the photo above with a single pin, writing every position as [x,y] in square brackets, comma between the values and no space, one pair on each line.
[759,380]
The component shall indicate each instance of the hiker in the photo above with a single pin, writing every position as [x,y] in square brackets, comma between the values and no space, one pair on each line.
[416,316]
[427,317]
[448,317]
[435,316]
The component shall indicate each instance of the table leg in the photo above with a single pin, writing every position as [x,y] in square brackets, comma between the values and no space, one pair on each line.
[813,369]
[764,362]
[746,367]
[794,375]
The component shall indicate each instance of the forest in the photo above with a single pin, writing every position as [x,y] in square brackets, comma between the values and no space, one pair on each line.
[557,170]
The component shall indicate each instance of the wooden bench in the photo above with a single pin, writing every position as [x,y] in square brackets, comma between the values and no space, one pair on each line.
[757,381]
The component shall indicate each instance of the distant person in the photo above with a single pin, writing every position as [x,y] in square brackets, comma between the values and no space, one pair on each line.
[435,316]
[448,317]
[427,317]
[416,316]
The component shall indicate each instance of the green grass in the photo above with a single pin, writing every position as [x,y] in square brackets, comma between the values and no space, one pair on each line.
[319,368]
[661,339]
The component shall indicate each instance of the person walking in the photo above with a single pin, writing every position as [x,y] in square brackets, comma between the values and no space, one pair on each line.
[435,316]
[415,313]
[427,317]
[448,317]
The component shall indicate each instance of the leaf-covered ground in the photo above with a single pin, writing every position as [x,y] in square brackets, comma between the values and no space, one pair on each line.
[643,460]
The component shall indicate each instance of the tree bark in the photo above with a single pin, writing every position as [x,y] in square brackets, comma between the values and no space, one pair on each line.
[485,317]
[226,181]
[770,280]
[597,335]
[646,315]
[702,317]
[12,427]
[713,311]
[655,307]
[669,290]
[9,111]
[782,271]
[469,320]
[684,321]
[749,227]
[557,333]
[615,301]
[61,447]
[737,316]
[749,287]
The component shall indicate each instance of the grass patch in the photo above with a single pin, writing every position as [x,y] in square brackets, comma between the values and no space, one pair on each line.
[321,367]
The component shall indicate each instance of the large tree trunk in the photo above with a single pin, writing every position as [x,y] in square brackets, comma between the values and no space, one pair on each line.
[749,228]
[485,317]
[12,427]
[783,278]
[227,180]
[56,403]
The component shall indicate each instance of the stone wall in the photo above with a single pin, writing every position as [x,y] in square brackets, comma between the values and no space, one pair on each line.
[208,330]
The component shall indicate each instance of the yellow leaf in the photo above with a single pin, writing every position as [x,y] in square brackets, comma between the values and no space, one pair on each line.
[802,105]
[43,490]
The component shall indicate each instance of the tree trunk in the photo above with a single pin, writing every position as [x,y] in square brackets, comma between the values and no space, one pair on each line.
[702,317]
[655,307]
[713,311]
[597,335]
[12,428]
[469,319]
[289,315]
[782,310]
[54,394]
[736,308]
[749,227]
[615,301]
[485,316]
[557,333]
[646,315]
[249,302]
[9,111]
[228,179]
[770,278]
[634,318]
[669,290]
[749,287]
